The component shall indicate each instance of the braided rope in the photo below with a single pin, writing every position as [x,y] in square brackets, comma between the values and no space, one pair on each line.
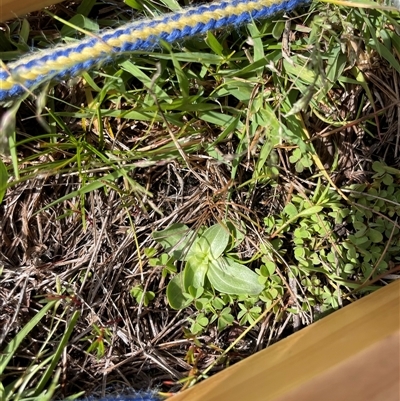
[66,61]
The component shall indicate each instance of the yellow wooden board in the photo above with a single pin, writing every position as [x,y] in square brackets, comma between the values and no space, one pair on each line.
[14,8]
[354,351]
[371,375]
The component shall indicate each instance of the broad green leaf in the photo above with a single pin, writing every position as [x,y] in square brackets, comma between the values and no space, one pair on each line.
[214,241]
[230,277]
[175,292]
[176,238]
[171,236]
[195,273]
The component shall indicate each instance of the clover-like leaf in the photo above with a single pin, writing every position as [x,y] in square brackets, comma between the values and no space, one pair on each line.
[225,318]
[290,210]
[375,236]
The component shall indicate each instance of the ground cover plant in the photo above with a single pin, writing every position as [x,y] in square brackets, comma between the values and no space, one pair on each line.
[167,215]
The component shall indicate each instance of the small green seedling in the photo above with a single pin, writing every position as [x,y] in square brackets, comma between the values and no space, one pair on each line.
[205,265]
[100,337]
[141,295]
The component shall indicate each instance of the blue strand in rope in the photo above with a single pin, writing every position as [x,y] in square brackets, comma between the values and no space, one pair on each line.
[60,63]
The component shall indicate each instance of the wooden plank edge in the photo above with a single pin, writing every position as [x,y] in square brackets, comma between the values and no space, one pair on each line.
[10,9]
[371,375]
[299,359]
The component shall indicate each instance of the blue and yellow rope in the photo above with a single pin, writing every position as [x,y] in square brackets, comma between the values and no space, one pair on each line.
[59,63]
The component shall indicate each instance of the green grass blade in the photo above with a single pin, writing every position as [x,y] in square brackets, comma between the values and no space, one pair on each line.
[85,7]
[9,351]
[57,355]
[3,180]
